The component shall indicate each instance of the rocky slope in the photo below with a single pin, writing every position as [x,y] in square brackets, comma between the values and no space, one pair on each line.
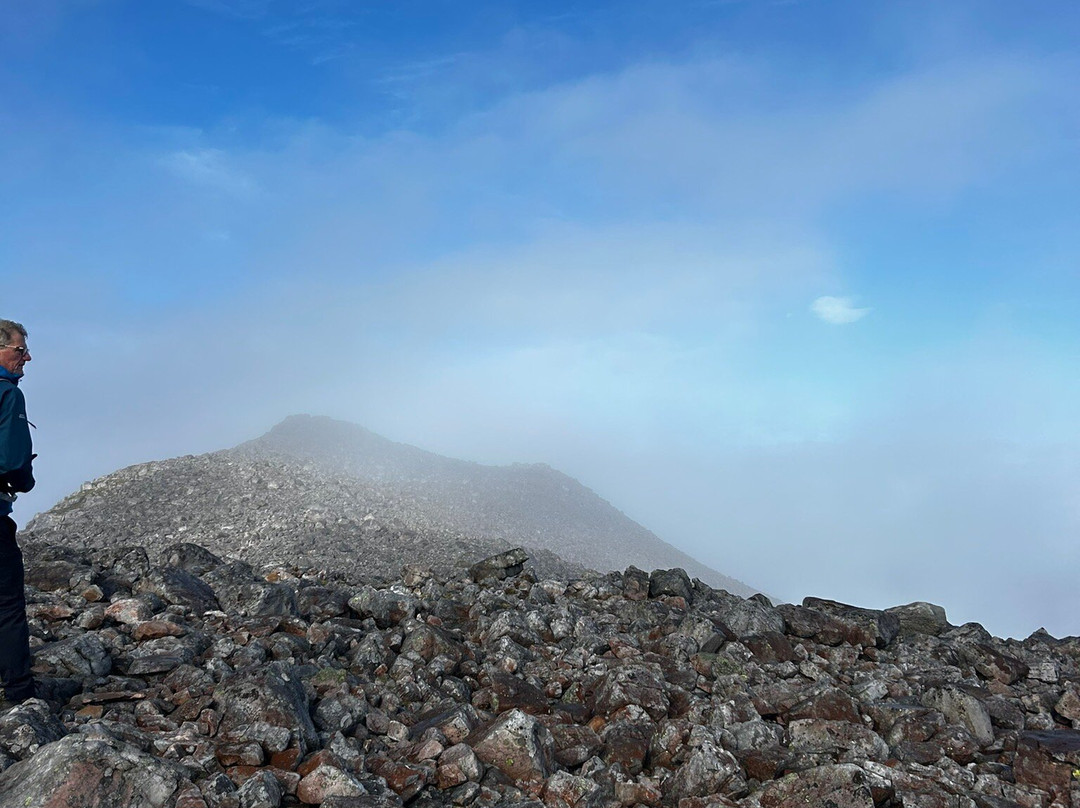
[183,680]
[327,492]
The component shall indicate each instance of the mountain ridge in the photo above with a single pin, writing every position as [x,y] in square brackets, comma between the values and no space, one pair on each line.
[314,491]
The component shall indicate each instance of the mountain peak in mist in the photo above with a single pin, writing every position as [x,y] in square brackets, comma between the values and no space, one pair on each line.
[524,503]
[314,492]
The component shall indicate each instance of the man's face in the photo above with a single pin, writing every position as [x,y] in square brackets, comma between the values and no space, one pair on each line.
[14,355]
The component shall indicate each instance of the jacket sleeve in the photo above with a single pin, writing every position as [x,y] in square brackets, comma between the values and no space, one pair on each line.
[16,448]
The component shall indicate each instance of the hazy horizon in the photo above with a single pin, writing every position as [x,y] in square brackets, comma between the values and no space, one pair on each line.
[794,284]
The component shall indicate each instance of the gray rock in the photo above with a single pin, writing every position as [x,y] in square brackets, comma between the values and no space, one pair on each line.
[920,618]
[81,656]
[261,790]
[674,582]
[518,745]
[707,771]
[272,695]
[180,587]
[386,607]
[963,708]
[637,684]
[80,771]
[500,566]
[836,786]
[27,727]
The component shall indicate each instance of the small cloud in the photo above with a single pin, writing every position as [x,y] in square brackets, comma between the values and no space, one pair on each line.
[208,167]
[837,310]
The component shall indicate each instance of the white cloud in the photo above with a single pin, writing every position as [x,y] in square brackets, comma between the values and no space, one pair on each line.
[837,310]
[210,168]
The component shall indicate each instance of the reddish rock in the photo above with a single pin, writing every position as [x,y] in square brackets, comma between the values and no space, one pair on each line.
[770,647]
[240,754]
[830,704]
[1047,760]
[627,743]
[574,744]
[287,759]
[156,629]
[510,692]
[405,779]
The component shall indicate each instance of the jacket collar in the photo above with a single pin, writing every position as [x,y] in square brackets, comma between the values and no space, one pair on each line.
[7,375]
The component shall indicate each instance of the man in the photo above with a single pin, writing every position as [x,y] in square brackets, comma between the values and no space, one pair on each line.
[16,476]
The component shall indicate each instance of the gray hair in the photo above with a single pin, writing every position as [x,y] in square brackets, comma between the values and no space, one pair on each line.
[8,328]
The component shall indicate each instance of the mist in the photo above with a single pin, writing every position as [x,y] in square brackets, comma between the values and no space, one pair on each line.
[818,331]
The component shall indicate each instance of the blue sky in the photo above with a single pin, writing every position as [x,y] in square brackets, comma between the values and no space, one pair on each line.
[794,284]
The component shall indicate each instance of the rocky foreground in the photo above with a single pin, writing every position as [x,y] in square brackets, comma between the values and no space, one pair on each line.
[189,681]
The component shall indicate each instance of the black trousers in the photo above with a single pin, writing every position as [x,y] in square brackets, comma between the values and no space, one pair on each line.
[14,633]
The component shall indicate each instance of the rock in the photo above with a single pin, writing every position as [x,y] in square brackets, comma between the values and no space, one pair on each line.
[992,664]
[261,790]
[180,587]
[626,743]
[671,583]
[80,771]
[441,690]
[920,618]
[501,566]
[159,656]
[326,781]
[321,603]
[386,607]
[237,589]
[810,624]
[829,703]
[129,611]
[82,656]
[518,745]
[27,727]
[574,744]
[835,786]
[1047,760]
[865,626]
[840,739]
[564,790]
[707,771]
[458,765]
[192,558]
[961,707]
[512,693]
[271,696]
[637,684]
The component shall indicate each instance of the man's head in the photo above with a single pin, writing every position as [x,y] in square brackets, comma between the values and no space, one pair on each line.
[13,351]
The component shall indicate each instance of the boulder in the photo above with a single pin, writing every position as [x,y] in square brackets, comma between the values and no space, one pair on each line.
[920,618]
[270,695]
[518,745]
[500,566]
[98,772]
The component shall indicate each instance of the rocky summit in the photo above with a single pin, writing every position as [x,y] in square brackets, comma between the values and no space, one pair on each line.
[325,493]
[178,678]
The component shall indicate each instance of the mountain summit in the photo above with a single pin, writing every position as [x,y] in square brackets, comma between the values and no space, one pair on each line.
[318,492]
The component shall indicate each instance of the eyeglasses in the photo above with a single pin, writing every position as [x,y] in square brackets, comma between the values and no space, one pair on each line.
[19,349]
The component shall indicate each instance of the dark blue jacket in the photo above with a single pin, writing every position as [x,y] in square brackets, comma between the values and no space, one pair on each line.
[16,448]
